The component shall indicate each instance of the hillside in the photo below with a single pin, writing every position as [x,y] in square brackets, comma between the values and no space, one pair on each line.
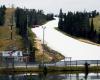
[97,23]
[5,34]
[17,42]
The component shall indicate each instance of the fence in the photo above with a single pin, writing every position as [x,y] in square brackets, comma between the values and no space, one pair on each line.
[75,63]
[8,62]
[11,62]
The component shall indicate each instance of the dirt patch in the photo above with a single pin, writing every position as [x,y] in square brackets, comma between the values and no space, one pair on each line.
[48,55]
[89,42]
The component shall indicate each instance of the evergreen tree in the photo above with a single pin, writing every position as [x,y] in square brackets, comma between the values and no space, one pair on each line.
[78,24]
[60,23]
[50,16]
[25,18]
[92,29]
[2,15]
[99,38]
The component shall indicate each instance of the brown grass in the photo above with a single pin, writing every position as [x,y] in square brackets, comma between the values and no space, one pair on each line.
[97,23]
[5,34]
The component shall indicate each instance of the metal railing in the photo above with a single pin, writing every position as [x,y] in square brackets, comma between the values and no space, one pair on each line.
[24,61]
[12,62]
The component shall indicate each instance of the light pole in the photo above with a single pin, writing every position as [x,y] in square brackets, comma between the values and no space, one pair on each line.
[43,27]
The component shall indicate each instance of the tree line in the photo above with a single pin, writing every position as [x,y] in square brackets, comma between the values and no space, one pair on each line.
[2,15]
[29,17]
[79,24]
[25,18]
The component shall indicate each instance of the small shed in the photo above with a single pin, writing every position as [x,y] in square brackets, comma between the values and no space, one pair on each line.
[16,55]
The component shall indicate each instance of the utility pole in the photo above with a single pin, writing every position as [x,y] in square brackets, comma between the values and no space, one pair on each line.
[11,30]
[43,27]
[27,58]
[27,37]
[27,24]
[11,24]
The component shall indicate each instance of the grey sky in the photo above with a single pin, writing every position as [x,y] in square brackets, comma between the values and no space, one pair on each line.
[55,5]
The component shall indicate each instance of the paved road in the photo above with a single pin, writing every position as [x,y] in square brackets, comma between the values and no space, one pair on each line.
[66,45]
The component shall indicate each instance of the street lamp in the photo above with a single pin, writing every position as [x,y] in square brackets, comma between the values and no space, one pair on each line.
[43,27]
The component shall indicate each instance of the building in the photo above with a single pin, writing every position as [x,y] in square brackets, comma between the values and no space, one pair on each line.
[9,55]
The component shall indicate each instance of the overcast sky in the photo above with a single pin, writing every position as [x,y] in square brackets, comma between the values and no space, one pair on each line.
[53,6]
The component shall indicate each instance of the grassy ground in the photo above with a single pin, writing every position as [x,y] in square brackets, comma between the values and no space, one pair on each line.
[5,34]
[51,69]
[97,23]
[7,44]
[38,48]
[49,54]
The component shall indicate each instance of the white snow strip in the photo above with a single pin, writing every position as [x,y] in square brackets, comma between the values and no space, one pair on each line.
[66,45]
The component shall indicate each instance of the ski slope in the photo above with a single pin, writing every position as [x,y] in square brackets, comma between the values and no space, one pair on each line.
[67,46]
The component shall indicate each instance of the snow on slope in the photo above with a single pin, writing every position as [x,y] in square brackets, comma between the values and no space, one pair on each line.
[66,45]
